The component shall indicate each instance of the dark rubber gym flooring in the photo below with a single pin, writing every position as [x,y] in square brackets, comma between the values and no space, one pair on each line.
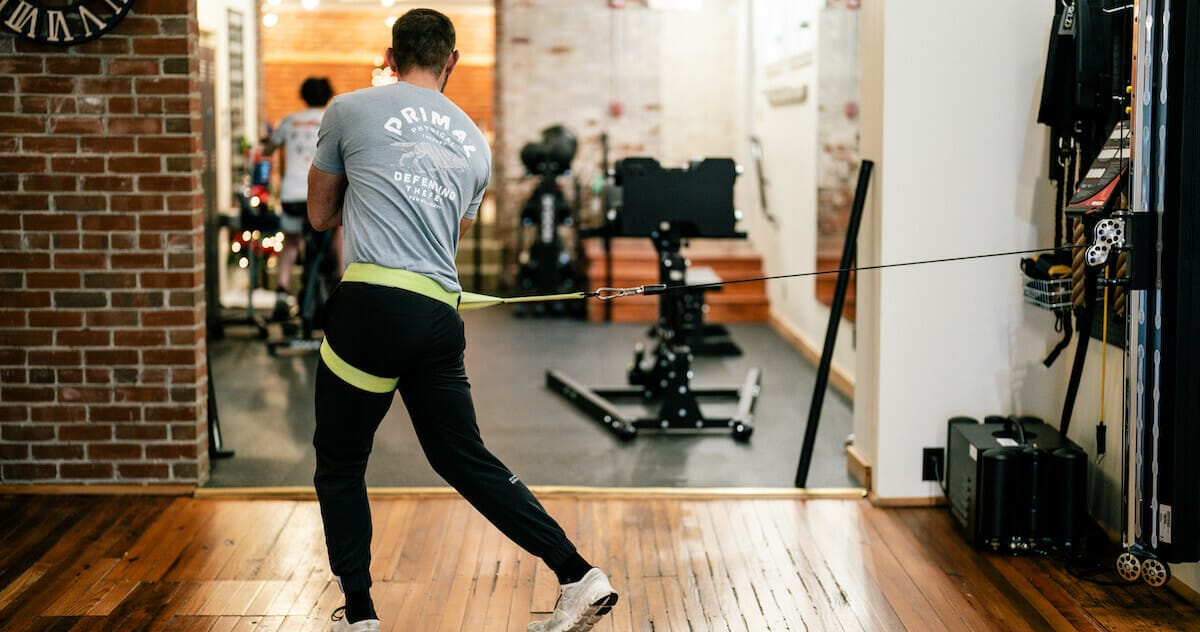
[265,408]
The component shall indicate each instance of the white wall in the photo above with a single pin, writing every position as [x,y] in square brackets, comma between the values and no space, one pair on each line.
[788,134]
[954,129]
[212,16]
[866,291]
[214,26]
[699,109]
[964,163]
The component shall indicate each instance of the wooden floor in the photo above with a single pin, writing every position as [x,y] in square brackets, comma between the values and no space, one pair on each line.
[157,563]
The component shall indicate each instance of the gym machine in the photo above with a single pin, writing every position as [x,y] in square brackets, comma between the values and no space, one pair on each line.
[253,238]
[669,206]
[1161,232]
[548,266]
[1136,237]
[318,280]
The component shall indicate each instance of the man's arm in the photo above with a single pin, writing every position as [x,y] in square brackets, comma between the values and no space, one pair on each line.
[463,225]
[326,192]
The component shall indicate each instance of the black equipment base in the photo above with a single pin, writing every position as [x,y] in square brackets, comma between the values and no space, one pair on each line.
[679,412]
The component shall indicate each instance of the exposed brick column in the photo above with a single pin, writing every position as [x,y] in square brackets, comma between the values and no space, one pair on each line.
[102,352]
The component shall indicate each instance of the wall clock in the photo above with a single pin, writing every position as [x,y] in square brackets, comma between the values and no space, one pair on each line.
[61,22]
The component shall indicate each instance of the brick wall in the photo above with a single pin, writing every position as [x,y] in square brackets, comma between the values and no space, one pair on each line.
[565,63]
[102,370]
[674,74]
[343,45]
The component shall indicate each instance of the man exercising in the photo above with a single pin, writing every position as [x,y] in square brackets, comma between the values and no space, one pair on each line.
[297,135]
[403,169]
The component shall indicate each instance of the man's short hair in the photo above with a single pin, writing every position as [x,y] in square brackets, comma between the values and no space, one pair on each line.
[316,91]
[422,38]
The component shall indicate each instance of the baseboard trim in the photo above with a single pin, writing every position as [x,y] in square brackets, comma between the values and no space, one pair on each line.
[98,490]
[839,378]
[857,467]
[546,491]
[916,501]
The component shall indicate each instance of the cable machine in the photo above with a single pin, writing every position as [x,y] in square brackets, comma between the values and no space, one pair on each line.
[669,206]
[1161,476]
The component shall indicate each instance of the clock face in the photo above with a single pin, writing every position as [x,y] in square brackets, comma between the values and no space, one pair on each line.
[61,22]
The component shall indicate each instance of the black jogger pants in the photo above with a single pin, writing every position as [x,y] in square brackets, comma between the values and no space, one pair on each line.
[395,333]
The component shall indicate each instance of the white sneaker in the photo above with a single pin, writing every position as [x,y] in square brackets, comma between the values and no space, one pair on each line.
[580,605]
[340,624]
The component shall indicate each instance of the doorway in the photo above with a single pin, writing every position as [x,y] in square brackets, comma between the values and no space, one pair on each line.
[591,73]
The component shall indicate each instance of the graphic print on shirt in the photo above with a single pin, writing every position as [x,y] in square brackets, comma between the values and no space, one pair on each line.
[427,145]
[433,155]
[303,138]
[297,133]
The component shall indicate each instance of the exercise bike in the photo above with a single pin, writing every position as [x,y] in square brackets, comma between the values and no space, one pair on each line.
[318,280]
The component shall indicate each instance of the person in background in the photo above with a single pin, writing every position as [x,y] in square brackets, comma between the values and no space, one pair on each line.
[297,135]
[404,170]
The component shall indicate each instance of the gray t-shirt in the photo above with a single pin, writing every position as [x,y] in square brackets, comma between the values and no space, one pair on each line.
[416,165]
[297,133]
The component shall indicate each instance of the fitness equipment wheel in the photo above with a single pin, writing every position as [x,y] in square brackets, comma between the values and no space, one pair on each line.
[742,432]
[1154,572]
[1129,567]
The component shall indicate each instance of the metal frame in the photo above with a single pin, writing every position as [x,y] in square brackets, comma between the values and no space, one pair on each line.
[595,402]
[666,376]
[1159,474]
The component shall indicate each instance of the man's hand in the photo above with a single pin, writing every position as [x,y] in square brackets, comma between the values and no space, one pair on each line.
[326,191]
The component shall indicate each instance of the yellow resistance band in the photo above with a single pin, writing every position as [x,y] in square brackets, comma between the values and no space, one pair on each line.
[400,279]
[419,284]
[355,377]
[425,286]
[471,300]
[1104,347]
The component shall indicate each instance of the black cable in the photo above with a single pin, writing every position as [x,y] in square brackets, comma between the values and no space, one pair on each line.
[1065,317]
[1018,428]
[940,481]
[866,268]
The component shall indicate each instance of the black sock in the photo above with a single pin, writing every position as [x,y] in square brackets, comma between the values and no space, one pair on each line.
[572,569]
[359,606]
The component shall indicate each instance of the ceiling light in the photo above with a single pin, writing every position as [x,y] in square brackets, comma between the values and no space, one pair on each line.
[309,4]
[270,19]
[387,4]
[390,20]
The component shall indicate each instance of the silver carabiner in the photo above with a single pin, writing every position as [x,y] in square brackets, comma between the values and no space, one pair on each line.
[609,293]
